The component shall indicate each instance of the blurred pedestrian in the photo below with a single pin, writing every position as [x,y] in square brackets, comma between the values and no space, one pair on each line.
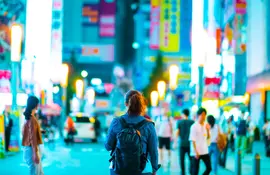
[8,129]
[32,137]
[71,131]
[164,128]
[183,131]
[133,140]
[250,134]
[241,134]
[213,148]
[266,132]
[224,125]
[199,134]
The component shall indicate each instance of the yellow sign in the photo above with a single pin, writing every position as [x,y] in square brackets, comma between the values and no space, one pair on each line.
[170,25]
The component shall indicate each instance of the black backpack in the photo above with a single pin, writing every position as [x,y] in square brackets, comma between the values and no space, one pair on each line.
[128,156]
[242,128]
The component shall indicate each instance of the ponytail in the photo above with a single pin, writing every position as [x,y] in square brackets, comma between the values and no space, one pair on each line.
[136,103]
[27,113]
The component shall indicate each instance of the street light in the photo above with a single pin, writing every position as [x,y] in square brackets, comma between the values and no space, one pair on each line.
[91,95]
[84,73]
[161,87]
[15,49]
[64,83]
[79,88]
[154,98]
[64,76]
[173,71]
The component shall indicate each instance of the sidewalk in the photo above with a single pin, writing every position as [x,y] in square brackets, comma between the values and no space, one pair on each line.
[248,161]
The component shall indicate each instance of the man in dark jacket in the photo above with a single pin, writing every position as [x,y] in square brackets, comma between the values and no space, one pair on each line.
[8,128]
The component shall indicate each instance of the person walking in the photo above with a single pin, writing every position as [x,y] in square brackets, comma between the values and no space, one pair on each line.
[241,134]
[199,133]
[8,129]
[183,131]
[132,140]
[32,138]
[164,128]
[213,148]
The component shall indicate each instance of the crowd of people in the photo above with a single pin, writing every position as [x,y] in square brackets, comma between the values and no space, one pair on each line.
[136,142]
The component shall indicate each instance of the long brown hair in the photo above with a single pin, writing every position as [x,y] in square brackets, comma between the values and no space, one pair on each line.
[136,103]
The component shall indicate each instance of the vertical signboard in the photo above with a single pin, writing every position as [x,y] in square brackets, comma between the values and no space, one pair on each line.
[56,38]
[107,18]
[241,7]
[90,14]
[2,137]
[154,24]
[170,25]
[185,26]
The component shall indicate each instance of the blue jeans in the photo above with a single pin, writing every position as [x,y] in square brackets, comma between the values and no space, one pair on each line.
[214,153]
[35,169]
[113,173]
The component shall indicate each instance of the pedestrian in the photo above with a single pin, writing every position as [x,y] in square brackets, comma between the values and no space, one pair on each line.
[227,130]
[164,128]
[241,134]
[32,137]
[250,134]
[8,129]
[71,131]
[183,131]
[132,140]
[213,148]
[199,134]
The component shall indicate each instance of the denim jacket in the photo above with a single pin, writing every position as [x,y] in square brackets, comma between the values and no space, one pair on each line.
[149,138]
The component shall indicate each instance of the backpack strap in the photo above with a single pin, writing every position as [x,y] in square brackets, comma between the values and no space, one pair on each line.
[140,124]
[123,122]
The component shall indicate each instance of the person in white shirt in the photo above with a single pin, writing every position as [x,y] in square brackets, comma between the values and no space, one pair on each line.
[199,133]
[164,128]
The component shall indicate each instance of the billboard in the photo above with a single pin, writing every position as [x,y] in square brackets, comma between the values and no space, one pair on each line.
[90,14]
[170,25]
[107,18]
[56,39]
[90,53]
[185,27]
[154,24]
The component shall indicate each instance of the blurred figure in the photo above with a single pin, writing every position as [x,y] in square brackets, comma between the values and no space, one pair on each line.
[71,131]
[213,148]
[266,132]
[109,118]
[8,129]
[32,138]
[199,134]
[183,131]
[241,134]
[227,130]
[164,128]
[133,132]
[231,133]
[250,134]
[97,127]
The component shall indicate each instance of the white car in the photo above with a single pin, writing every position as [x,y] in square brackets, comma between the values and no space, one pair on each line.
[84,126]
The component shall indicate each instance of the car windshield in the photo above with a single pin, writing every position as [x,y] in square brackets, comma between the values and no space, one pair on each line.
[82,120]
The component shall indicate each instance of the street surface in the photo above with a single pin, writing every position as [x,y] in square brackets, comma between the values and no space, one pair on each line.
[92,159]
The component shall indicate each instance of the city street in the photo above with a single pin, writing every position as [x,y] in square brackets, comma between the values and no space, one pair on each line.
[92,159]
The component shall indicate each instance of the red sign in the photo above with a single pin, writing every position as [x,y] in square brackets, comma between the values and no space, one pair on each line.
[211,88]
[154,26]
[241,7]
[219,40]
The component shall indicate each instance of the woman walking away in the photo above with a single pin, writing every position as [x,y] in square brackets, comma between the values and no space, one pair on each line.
[132,140]
[32,137]
[213,148]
